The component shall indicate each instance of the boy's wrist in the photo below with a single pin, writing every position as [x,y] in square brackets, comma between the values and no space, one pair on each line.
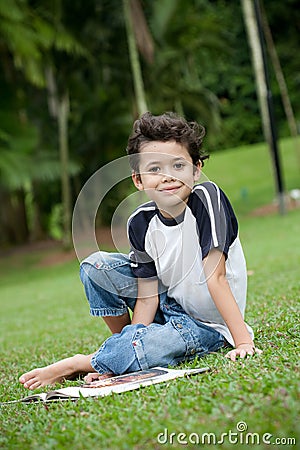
[243,344]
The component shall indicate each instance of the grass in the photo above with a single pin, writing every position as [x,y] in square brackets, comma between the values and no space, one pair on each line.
[44,316]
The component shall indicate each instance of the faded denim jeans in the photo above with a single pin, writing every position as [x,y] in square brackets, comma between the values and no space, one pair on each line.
[173,337]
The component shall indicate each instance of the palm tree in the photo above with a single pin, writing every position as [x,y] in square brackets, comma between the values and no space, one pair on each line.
[137,30]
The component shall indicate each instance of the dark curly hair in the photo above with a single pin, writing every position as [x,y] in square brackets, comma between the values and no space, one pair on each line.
[166,127]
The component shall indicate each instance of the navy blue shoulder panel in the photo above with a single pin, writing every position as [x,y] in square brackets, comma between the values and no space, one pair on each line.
[141,263]
[216,221]
[138,224]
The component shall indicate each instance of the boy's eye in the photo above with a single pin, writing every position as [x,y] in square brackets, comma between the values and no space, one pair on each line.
[179,165]
[154,169]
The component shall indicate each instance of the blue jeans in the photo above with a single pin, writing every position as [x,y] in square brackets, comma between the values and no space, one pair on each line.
[173,337]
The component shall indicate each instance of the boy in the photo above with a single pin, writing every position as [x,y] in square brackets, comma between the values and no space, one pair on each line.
[185,277]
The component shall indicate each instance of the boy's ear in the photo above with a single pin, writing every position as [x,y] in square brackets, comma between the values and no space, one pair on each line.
[136,178]
[197,170]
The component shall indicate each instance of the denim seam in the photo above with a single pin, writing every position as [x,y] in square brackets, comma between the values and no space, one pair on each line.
[139,350]
[184,333]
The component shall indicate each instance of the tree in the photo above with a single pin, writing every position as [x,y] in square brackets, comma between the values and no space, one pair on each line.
[132,9]
[286,101]
[254,29]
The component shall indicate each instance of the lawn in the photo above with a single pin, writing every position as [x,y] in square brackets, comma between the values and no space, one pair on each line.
[44,316]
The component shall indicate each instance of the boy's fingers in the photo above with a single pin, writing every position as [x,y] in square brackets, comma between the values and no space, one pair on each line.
[258,351]
[242,353]
[231,355]
[254,351]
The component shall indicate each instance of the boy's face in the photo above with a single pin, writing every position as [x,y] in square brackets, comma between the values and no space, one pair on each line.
[167,175]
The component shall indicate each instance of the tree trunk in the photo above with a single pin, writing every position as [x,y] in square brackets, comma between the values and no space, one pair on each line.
[13,218]
[59,109]
[134,60]
[258,64]
[37,233]
[287,106]
[62,119]
[252,18]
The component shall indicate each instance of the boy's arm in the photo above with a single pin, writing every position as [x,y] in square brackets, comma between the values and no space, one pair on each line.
[215,272]
[146,303]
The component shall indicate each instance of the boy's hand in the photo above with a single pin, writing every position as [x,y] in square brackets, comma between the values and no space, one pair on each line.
[242,351]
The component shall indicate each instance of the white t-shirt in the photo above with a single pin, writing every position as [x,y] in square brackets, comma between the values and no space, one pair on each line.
[173,250]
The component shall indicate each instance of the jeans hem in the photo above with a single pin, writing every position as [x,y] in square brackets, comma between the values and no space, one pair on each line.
[97,367]
[104,312]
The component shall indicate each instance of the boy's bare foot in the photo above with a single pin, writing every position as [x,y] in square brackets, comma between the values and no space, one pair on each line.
[57,372]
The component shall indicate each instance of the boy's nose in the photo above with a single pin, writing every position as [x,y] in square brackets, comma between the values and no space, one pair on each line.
[167,178]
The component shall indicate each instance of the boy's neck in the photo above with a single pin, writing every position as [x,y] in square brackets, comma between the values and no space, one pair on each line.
[172,213]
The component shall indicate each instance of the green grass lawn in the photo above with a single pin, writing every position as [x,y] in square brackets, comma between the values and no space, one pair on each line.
[44,317]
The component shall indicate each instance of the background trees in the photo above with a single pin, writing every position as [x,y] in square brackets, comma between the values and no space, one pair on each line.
[201,67]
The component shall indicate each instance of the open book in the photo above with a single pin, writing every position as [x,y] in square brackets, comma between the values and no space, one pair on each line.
[116,384]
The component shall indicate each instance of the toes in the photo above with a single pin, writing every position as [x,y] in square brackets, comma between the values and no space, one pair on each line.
[26,377]
[35,385]
[30,382]
[29,379]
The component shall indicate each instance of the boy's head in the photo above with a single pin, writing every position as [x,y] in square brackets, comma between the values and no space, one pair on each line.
[164,128]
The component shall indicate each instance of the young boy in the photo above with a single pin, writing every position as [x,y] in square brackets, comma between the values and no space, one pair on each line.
[185,277]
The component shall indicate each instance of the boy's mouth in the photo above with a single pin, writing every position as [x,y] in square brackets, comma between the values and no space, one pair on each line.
[170,189]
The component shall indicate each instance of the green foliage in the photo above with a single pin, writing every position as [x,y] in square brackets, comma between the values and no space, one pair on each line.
[202,69]
[183,43]
[28,38]
[17,153]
